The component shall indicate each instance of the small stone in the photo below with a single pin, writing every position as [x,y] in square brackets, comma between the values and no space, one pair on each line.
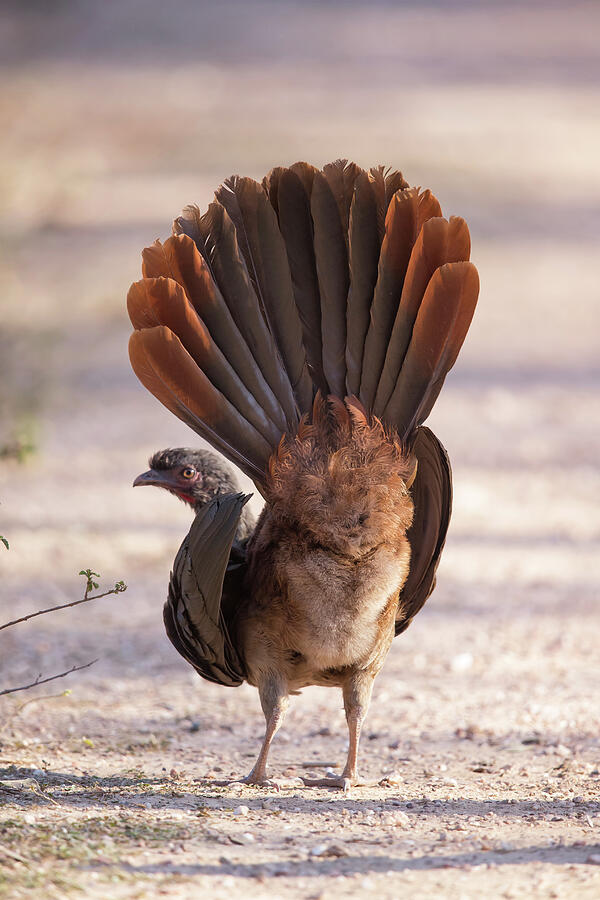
[401,818]
[241,811]
[594,859]
[505,847]
[242,839]
[562,751]
[334,851]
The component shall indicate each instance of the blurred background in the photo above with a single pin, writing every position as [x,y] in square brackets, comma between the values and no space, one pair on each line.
[117,114]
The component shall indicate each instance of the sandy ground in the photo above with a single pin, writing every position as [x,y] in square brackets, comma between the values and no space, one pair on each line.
[482,744]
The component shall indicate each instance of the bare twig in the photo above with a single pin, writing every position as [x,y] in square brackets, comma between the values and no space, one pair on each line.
[40,680]
[118,589]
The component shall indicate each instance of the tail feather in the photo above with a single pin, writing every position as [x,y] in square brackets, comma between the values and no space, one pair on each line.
[365,243]
[295,222]
[230,274]
[386,183]
[263,249]
[168,371]
[407,212]
[331,255]
[428,207]
[179,259]
[270,185]
[440,328]
[439,242]
[400,227]
[161,301]
[341,176]
[188,224]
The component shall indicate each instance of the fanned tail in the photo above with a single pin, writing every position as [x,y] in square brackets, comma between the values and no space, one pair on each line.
[339,281]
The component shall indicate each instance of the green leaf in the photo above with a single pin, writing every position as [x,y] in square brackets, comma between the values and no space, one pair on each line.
[4,541]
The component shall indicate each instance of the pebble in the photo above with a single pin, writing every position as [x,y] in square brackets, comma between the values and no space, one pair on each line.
[562,751]
[241,811]
[594,859]
[505,847]
[329,850]
[245,838]
[401,818]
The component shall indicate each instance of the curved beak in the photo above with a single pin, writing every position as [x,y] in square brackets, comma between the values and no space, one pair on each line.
[154,477]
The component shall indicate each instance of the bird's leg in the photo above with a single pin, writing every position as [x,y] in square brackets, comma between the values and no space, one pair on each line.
[357,697]
[274,701]
[357,690]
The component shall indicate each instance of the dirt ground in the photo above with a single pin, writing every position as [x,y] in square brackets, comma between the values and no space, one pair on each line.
[482,746]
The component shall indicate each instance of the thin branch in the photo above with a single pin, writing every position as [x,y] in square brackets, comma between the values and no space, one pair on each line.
[41,612]
[40,680]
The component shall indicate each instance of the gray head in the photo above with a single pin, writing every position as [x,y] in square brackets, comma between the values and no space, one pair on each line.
[195,476]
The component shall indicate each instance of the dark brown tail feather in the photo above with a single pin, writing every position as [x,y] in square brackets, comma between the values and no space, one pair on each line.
[264,252]
[331,256]
[365,244]
[296,224]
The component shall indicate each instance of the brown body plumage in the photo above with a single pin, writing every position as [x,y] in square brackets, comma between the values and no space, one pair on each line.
[326,564]
[257,324]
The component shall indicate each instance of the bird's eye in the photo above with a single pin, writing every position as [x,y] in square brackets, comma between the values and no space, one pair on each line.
[188,472]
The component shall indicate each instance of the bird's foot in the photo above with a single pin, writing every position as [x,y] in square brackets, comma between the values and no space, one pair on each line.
[259,779]
[331,780]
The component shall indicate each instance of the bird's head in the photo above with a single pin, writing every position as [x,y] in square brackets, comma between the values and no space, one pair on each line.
[195,476]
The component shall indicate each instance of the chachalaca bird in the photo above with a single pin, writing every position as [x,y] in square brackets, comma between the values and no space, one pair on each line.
[304,327]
